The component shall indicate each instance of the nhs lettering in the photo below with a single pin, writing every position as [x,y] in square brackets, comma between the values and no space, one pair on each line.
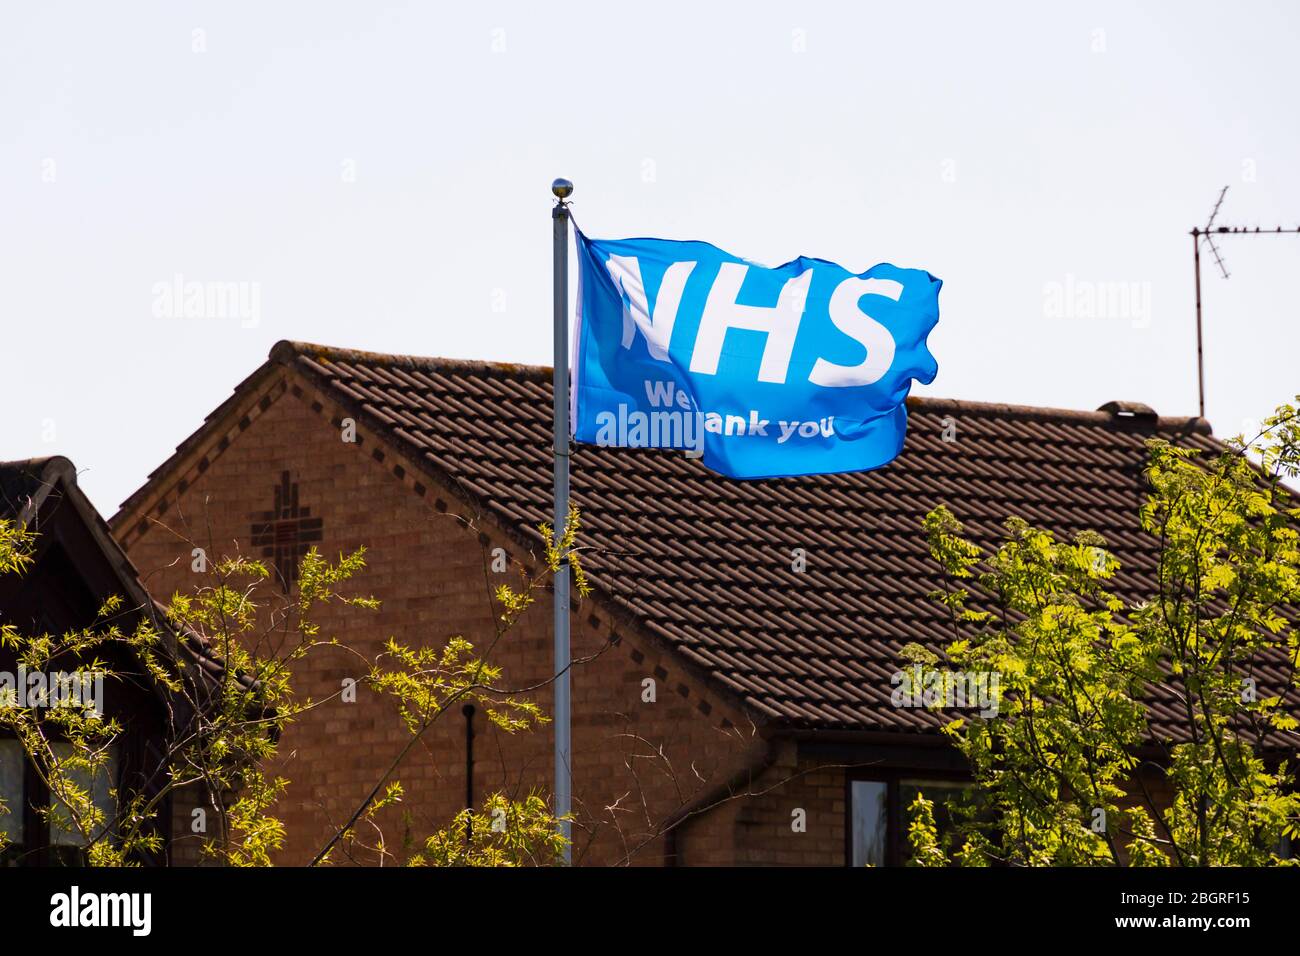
[768,372]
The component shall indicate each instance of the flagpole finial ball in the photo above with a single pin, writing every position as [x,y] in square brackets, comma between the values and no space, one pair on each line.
[562,188]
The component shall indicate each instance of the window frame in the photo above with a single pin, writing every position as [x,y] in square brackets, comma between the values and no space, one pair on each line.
[892,778]
[39,847]
[23,812]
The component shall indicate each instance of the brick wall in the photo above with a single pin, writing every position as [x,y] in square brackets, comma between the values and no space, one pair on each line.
[429,563]
[186,847]
[790,814]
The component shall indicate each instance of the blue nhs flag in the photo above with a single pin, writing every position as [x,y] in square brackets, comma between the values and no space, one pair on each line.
[800,369]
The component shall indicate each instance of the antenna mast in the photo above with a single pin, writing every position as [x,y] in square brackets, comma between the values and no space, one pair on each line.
[1206,234]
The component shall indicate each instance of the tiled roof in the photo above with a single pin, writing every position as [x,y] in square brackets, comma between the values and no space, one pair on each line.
[705,563]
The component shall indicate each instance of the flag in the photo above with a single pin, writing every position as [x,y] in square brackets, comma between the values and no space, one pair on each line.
[799,369]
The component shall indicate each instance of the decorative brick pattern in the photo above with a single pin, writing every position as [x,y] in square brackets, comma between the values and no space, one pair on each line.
[286,532]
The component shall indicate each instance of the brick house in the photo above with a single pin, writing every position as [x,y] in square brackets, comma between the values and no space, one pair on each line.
[732,700]
[76,566]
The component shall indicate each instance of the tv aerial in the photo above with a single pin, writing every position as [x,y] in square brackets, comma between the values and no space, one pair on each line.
[1206,234]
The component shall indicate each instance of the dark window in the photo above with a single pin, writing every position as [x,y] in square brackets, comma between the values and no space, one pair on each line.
[28,838]
[878,814]
[65,841]
[12,803]
[869,819]
[943,794]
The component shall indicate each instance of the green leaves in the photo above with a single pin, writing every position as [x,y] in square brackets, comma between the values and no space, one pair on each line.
[426,681]
[254,833]
[16,545]
[223,722]
[505,832]
[221,726]
[923,835]
[1059,763]
[566,550]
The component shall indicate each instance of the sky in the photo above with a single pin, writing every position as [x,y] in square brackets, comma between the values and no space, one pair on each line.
[376,176]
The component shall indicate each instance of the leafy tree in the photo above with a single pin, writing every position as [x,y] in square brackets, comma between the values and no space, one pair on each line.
[1073,768]
[229,694]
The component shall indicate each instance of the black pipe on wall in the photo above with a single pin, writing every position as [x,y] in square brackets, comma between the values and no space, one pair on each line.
[468,711]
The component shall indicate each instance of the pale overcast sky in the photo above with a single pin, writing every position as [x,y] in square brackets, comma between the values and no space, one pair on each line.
[378,175]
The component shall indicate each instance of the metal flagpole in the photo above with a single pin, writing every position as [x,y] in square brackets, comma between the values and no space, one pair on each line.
[562,189]
[1200,354]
